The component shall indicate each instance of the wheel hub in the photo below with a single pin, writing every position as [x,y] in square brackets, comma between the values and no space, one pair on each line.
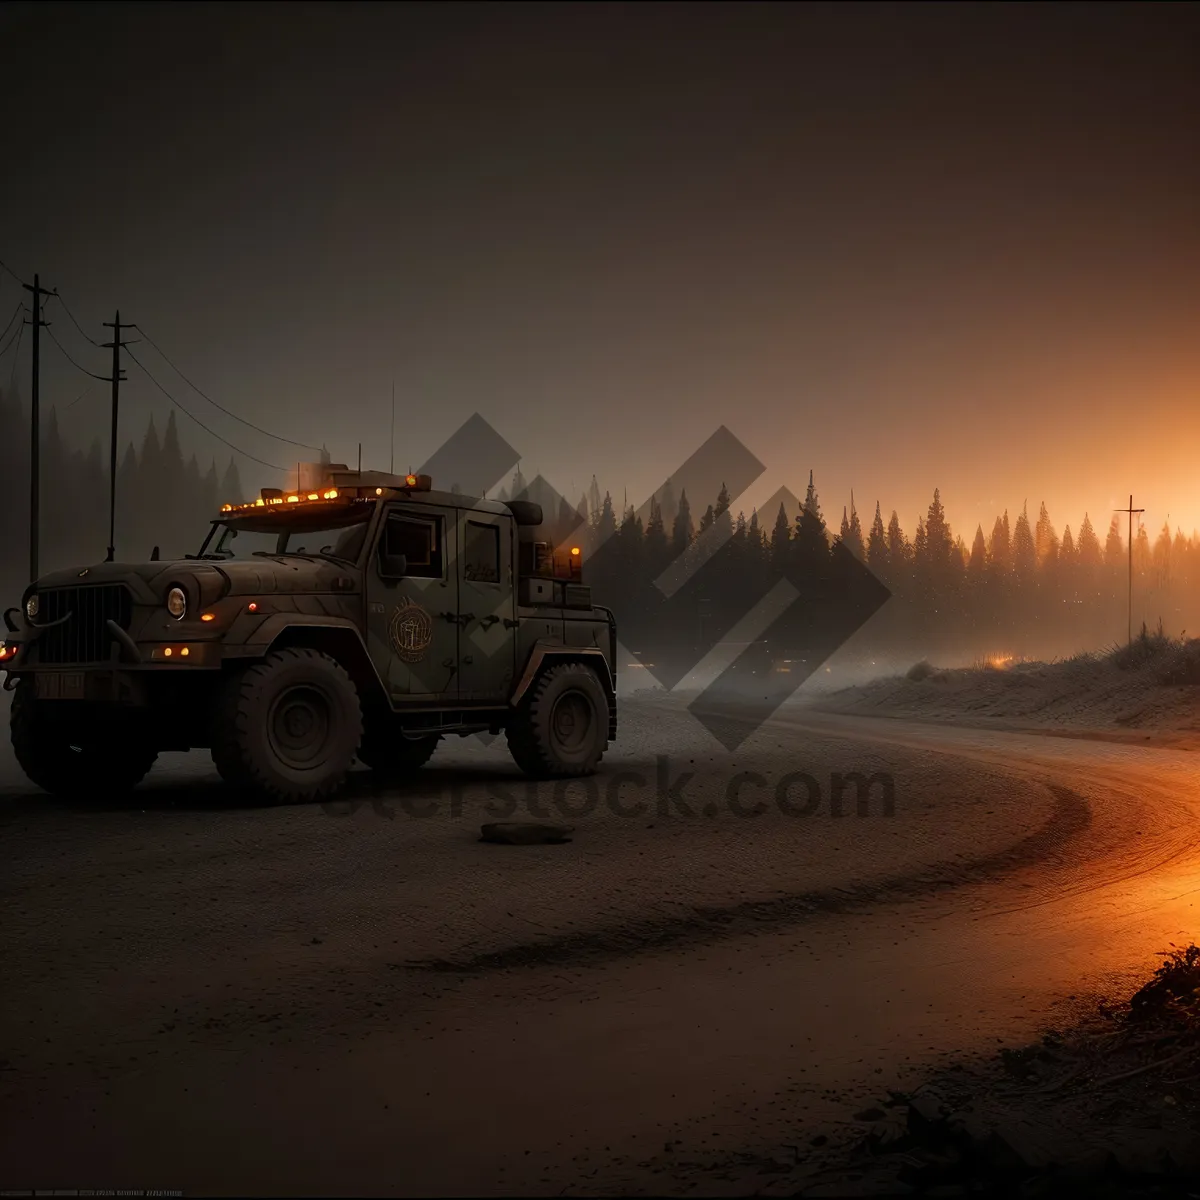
[299,726]
[571,721]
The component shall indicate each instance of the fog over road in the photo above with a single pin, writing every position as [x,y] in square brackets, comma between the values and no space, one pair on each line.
[364,1000]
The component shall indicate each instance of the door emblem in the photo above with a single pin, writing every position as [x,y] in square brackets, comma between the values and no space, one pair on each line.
[410,631]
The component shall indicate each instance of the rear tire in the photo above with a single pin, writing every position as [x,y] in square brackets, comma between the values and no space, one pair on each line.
[288,728]
[394,756]
[561,729]
[68,758]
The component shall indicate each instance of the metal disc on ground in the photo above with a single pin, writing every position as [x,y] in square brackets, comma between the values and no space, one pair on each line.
[525,833]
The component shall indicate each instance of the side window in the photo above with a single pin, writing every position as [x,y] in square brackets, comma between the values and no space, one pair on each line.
[419,540]
[481,553]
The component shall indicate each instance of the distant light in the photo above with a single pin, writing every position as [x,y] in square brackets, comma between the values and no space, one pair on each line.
[574,550]
[167,652]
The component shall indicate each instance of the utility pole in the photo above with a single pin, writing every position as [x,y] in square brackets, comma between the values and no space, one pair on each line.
[392,466]
[1130,510]
[35,418]
[117,375]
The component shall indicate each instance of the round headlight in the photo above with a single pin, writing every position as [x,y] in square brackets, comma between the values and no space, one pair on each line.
[177,602]
[31,607]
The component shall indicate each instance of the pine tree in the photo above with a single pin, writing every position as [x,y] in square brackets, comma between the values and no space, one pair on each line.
[852,538]
[657,546]
[899,553]
[150,467]
[210,490]
[1088,545]
[939,543]
[1045,539]
[1024,549]
[781,536]
[707,519]
[606,526]
[668,504]
[877,544]
[682,530]
[231,485]
[723,502]
[1114,548]
[978,561]
[812,505]
[754,537]
[1000,549]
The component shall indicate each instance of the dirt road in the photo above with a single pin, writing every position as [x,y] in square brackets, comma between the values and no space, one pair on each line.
[368,1000]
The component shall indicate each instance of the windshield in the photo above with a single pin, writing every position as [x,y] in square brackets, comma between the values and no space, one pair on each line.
[337,542]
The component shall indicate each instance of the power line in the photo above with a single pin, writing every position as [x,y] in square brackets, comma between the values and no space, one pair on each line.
[19,309]
[220,407]
[210,432]
[16,314]
[12,379]
[74,322]
[5,267]
[102,378]
[86,391]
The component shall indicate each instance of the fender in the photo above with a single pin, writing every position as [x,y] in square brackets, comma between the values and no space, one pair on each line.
[544,650]
[264,635]
[279,626]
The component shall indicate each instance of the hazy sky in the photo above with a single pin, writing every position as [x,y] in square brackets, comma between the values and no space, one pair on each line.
[906,246]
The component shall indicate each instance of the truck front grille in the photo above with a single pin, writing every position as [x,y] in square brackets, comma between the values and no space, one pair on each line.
[84,637]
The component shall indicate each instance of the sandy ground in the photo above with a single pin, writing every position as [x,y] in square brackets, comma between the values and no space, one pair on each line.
[363,1000]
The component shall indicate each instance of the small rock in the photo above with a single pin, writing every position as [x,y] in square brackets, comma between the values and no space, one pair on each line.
[870,1114]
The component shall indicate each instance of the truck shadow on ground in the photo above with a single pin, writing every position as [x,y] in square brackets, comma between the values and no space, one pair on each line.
[180,790]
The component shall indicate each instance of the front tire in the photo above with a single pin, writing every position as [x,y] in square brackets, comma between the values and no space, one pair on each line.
[288,728]
[561,730]
[73,758]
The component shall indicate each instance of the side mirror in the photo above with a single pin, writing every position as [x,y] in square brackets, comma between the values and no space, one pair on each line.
[392,566]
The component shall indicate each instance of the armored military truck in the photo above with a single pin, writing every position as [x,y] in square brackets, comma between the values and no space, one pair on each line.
[367,618]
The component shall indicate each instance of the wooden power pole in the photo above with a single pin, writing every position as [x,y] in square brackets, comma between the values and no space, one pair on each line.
[117,375]
[1131,510]
[35,422]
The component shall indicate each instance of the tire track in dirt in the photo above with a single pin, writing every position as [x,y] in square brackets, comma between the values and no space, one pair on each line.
[1069,817]
[1149,820]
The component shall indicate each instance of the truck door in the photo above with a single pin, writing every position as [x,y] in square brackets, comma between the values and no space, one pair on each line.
[487,639]
[412,618]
